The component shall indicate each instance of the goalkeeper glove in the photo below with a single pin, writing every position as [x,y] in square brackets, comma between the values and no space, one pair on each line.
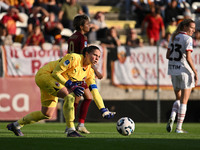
[106,113]
[82,84]
[78,90]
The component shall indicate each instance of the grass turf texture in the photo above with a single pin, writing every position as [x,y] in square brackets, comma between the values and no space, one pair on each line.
[149,136]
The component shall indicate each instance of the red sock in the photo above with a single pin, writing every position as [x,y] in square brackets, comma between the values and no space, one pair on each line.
[84,109]
[75,109]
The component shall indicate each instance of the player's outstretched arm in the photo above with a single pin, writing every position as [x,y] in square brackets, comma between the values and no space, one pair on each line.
[99,102]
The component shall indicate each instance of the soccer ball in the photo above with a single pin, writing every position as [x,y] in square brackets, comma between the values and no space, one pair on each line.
[125,126]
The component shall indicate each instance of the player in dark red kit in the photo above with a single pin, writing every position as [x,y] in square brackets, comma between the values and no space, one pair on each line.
[76,43]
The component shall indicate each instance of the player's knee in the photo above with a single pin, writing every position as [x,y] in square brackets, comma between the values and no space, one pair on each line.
[69,102]
[46,116]
[87,94]
[77,99]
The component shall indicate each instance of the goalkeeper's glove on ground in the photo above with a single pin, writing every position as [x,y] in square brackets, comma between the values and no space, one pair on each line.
[78,90]
[106,113]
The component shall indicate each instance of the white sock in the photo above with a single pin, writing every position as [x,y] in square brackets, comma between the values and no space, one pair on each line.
[175,109]
[70,130]
[81,125]
[181,116]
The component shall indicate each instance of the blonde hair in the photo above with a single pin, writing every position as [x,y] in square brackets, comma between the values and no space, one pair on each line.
[182,24]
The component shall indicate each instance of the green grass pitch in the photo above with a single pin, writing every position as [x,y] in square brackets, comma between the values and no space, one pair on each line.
[104,136]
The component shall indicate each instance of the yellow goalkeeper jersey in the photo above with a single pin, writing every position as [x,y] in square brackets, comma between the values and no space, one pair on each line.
[70,67]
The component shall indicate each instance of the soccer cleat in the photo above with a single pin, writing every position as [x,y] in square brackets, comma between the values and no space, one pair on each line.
[180,131]
[12,128]
[170,125]
[66,130]
[82,130]
[74,134]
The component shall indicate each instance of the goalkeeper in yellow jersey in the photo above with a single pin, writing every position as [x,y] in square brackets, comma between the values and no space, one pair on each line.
[59,79]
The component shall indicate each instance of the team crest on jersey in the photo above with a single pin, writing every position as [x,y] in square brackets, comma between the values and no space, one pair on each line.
[66,62]
[57,84]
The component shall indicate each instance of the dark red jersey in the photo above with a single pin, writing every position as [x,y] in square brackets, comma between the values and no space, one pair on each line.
[76,43]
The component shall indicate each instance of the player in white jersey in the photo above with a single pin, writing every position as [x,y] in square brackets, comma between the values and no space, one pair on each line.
[182,71]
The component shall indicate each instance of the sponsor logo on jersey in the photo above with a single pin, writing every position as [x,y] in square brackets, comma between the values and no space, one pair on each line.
[174,67]
[66,62]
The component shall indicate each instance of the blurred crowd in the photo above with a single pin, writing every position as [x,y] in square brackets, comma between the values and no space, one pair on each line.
[46,20]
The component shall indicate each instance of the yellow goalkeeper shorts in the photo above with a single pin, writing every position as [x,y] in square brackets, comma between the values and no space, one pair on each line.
[49,88]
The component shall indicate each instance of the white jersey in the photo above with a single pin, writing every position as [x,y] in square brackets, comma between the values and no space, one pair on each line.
[178,64]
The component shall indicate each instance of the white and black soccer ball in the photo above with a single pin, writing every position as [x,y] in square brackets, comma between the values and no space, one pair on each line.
[125,126]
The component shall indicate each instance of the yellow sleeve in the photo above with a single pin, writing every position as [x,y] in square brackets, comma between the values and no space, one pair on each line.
[97,98]
[65,64]
[90,80]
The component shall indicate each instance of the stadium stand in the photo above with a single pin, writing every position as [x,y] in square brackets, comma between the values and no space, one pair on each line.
[66,32]
[23,24]
[195,6]
[106,9]
[2,14]
[113,15]
[121,24]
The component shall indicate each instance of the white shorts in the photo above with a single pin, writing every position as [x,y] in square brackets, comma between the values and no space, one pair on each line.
[184,81]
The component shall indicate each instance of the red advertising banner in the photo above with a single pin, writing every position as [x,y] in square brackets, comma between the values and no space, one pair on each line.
[19,97]
[26,63]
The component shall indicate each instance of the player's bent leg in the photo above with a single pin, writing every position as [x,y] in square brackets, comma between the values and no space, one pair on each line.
[182,110]
[28,119]
[32,118]
[82,129]
[83,111]
[77,100]
[82,116]
[14,129]
[170,125]
[68,111]
[181,116]
[174,111]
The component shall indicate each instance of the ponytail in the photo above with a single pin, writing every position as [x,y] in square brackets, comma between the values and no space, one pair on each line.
[184,23]
[178,29]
